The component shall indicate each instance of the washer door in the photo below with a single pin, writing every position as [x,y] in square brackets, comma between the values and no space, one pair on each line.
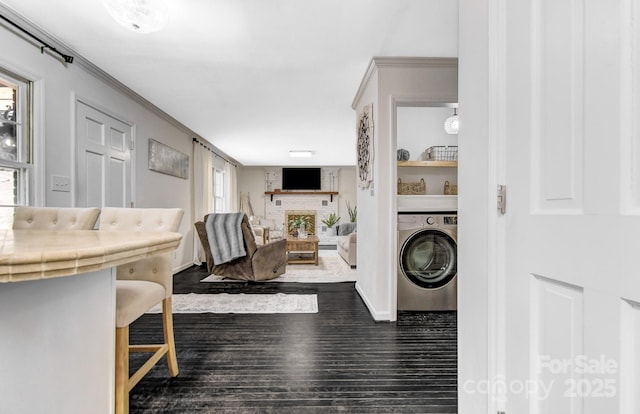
[428,258]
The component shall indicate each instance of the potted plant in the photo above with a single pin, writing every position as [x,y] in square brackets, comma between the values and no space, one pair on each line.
[297,225]
[331,221]
[353,212]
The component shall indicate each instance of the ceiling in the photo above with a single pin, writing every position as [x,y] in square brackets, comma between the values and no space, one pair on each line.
[256,78]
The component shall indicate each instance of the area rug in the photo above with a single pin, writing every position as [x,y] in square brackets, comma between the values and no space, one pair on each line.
[242,303]
[330,269]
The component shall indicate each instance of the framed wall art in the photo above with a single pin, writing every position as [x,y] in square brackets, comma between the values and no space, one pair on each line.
[166,160]
[365,147]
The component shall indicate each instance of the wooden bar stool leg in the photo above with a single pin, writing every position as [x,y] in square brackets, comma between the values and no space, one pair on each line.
[167,322]
[122,371]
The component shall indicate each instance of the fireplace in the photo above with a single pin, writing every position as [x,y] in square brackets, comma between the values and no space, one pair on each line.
[308,215]
[316,206]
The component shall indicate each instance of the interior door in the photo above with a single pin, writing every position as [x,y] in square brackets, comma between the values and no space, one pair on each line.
[572,283]
[103,159]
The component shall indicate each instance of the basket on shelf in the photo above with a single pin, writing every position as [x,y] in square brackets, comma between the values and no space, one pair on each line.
[419,188]
[442,153]
[450,189]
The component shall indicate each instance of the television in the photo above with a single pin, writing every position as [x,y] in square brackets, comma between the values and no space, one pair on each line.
[301,178]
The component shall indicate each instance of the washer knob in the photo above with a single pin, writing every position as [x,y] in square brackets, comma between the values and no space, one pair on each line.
[430,220]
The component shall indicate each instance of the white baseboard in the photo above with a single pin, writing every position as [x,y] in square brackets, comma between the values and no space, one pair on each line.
[182,267]
[377,315]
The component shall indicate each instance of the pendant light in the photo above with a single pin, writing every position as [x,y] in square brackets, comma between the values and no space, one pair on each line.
[451,124]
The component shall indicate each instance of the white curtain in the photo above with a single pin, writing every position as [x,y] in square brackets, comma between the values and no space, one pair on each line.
[202,193]
[232,187]
[245,205]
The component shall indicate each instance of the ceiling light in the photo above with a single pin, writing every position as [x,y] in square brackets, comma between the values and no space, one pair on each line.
[452,123]
[300,153]
[142,16]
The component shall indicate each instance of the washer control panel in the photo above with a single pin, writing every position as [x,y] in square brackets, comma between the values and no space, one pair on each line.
[417,221]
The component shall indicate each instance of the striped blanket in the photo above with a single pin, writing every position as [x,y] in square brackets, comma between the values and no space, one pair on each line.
[225,236]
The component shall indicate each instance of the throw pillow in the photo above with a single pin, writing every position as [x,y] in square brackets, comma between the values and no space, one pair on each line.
[346,228]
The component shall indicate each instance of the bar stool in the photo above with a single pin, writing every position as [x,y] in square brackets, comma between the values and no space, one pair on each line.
[140,286]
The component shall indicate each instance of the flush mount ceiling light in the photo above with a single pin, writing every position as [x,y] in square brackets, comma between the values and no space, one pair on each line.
[451,124]
[142,16]
[300,153]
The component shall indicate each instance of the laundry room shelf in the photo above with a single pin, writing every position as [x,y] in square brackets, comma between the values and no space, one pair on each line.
[430,203]
[427,163]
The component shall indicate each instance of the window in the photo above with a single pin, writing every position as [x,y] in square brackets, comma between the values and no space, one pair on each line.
[15,144]
[218,191]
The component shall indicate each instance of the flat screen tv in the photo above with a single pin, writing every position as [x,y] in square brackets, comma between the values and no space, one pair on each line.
[301,178]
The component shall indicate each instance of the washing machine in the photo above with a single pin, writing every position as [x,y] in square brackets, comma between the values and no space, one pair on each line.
[427,261]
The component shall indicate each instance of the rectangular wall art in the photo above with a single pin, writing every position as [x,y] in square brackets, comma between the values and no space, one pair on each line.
[167,160]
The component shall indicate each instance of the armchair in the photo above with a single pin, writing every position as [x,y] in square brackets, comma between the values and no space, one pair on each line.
[262,262]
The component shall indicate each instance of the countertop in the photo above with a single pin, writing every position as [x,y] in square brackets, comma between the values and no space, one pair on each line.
[40,254]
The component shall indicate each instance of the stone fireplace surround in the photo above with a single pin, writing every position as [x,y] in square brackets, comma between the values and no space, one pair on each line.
[320,204]
[276,207]
[310,214]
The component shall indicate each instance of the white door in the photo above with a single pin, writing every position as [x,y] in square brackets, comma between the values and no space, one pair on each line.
[572,224]
[103,159]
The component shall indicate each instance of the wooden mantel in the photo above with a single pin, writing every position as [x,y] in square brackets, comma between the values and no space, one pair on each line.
[272,193]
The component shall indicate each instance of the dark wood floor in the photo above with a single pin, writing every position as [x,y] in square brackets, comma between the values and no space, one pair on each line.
[336,361]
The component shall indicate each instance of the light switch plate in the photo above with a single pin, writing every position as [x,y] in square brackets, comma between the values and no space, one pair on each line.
[60,183]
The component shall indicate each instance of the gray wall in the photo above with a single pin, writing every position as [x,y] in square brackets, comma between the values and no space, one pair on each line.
[57,87]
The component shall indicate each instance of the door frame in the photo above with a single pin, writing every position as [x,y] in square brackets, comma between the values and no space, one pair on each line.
[395,102]
[481,231]
[75,99]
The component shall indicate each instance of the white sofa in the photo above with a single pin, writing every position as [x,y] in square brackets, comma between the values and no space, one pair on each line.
[347,243]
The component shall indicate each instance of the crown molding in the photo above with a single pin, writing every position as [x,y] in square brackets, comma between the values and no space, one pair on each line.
[97,72]
[436,62]
[400,61]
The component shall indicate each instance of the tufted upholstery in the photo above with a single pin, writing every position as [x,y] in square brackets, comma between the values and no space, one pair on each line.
[53,218]
[140,219]
[139,286]
[134,298]
[157,268]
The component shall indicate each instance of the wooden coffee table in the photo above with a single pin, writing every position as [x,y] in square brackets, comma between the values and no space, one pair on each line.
[302,251]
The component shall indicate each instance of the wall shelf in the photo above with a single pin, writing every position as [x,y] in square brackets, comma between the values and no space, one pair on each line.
[272,193]
[427,163]
[435,202]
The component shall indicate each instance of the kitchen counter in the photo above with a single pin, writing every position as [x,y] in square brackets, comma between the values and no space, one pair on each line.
[39,254]
[57,316]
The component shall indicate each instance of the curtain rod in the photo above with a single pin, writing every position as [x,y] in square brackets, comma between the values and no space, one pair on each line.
[67,58]
[214,153]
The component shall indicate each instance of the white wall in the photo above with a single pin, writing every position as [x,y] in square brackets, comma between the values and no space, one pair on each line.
[369,249]
[419,128]
[57,87]
[390,82]
[347,190]
[476,202]
[252,180]
[422,127]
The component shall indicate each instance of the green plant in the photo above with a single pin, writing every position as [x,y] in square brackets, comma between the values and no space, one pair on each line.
[332,220]
[353,212]
[298,221]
